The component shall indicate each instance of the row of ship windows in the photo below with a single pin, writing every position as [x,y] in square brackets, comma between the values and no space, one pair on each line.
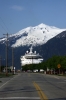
[33,58]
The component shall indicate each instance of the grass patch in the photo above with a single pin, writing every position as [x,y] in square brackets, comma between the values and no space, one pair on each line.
[61,74]
[5,75]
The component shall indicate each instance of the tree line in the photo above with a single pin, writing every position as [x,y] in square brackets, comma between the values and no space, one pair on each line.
[53,63]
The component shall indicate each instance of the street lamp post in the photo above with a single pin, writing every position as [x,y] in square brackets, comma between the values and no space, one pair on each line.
[13,60]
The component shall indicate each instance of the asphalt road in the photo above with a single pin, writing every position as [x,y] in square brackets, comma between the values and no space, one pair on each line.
[33,86]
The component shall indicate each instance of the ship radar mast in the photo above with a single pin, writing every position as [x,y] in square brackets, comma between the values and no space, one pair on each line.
[31,49]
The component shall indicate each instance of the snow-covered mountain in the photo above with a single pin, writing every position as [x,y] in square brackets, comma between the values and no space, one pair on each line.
[37,35]
[50,41]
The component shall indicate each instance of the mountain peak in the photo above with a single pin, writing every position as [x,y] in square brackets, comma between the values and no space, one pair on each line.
[42,25]
[37,35]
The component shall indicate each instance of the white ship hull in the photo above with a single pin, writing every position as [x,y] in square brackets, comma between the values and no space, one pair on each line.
[31,58]
[30,61]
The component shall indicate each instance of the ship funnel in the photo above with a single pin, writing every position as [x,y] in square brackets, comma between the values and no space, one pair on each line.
[31,49]
[26,51]
[35,52]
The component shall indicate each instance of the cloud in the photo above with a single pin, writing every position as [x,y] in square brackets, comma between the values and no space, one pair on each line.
[18,8]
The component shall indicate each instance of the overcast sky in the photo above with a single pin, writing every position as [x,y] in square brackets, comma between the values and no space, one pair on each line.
[18,14]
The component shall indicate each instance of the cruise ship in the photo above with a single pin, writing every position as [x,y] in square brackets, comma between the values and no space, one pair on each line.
[31,57]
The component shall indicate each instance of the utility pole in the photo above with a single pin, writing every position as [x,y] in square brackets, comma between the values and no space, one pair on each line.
[0,64]
[6,53]
[13,60]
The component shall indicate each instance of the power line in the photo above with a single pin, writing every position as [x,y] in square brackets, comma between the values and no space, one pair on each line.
[4,25]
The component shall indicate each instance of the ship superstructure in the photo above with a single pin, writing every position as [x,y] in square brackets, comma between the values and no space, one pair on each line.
[31,57]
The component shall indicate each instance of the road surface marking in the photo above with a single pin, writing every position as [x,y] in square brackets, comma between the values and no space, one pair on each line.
[56,77]
[4,84]
[8,81]
[40,92]
[18,98]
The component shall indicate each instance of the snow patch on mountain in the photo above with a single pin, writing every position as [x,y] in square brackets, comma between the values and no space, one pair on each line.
[37,35]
